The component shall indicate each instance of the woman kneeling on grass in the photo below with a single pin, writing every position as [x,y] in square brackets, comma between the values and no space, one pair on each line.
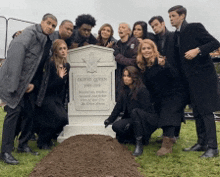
[52,116]
[139,119]
[167,95]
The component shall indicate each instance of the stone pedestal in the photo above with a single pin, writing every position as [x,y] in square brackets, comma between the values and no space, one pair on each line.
[92,91]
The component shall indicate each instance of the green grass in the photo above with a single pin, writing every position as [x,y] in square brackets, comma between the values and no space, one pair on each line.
[177,164]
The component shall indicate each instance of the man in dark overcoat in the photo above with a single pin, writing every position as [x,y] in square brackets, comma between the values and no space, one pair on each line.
[165,44]
[193,44]
[21,85]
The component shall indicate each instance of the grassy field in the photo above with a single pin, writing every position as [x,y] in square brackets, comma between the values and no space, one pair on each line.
[177,164]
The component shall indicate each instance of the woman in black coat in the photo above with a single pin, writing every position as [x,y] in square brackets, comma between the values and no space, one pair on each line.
[139,119]
[52,116]
[163,85]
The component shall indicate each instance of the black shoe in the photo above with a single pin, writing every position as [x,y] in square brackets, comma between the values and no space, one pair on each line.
[139,147]
[210,153]
[8,158]
[26,149]
[197,147]
[45,147]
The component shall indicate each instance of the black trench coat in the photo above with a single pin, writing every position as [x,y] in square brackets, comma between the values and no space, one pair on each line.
[200,72]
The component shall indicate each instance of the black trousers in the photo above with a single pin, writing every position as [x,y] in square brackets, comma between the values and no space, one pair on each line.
[138,125]
[12,118]
[50,120]
[142,123]
[124,130]
[206,128]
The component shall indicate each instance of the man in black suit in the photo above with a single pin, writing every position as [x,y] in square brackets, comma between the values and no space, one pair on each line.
[192,47]
[165,43]
[162,35]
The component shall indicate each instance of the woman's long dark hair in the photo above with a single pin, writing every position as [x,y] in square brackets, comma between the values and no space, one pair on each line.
[135,74]
[144,28]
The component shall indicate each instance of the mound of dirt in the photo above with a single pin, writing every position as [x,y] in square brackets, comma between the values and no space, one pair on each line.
[88,156]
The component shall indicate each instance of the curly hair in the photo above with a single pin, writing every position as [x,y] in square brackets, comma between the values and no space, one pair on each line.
[85,19]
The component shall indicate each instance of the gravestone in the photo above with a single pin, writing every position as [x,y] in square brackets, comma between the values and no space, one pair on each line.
[92,91]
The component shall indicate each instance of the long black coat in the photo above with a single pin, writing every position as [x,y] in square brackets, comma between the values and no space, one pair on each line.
[168,50]
[199,72]
[52,112]
[126,104]
[166,93]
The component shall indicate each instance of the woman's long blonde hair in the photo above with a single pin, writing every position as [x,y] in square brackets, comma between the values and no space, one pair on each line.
[143,62]
[55,48]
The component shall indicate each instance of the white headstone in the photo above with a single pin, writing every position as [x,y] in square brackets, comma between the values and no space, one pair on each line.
[92,91]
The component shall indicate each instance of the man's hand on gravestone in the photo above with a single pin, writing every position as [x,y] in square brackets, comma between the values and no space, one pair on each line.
[74,45]
[107,123]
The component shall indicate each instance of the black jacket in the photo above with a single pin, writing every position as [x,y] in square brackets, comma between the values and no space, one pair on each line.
[125,104]
[80,40]
[160,81]
[57,86]
[167,94]
[199,72]
[126,57]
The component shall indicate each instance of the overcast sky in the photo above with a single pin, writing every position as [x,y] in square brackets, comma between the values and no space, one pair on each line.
[109,11]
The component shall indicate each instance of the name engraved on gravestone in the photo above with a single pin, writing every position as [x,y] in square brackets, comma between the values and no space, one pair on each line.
[92,92]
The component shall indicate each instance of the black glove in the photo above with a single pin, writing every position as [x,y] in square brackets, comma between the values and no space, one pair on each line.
[107,123]
[117,51]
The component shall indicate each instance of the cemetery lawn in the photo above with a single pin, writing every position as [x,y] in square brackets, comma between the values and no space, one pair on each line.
[177,164]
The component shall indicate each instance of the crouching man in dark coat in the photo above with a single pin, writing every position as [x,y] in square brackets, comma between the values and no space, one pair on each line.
[21,85]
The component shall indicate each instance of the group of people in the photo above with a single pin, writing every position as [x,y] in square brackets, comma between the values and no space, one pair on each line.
[175,70]
[157,75]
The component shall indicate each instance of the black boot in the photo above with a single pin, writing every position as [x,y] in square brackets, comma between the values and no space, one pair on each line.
[139,147]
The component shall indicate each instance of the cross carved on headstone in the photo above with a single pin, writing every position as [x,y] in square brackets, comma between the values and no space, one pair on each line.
[91,63]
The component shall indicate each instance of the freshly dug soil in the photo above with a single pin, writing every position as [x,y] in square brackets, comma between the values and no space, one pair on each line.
[88,156]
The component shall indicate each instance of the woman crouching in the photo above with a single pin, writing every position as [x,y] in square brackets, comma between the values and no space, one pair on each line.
[139,119]
[167,94]
[52,116]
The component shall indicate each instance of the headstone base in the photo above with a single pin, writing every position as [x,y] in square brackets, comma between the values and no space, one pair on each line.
[83,129]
